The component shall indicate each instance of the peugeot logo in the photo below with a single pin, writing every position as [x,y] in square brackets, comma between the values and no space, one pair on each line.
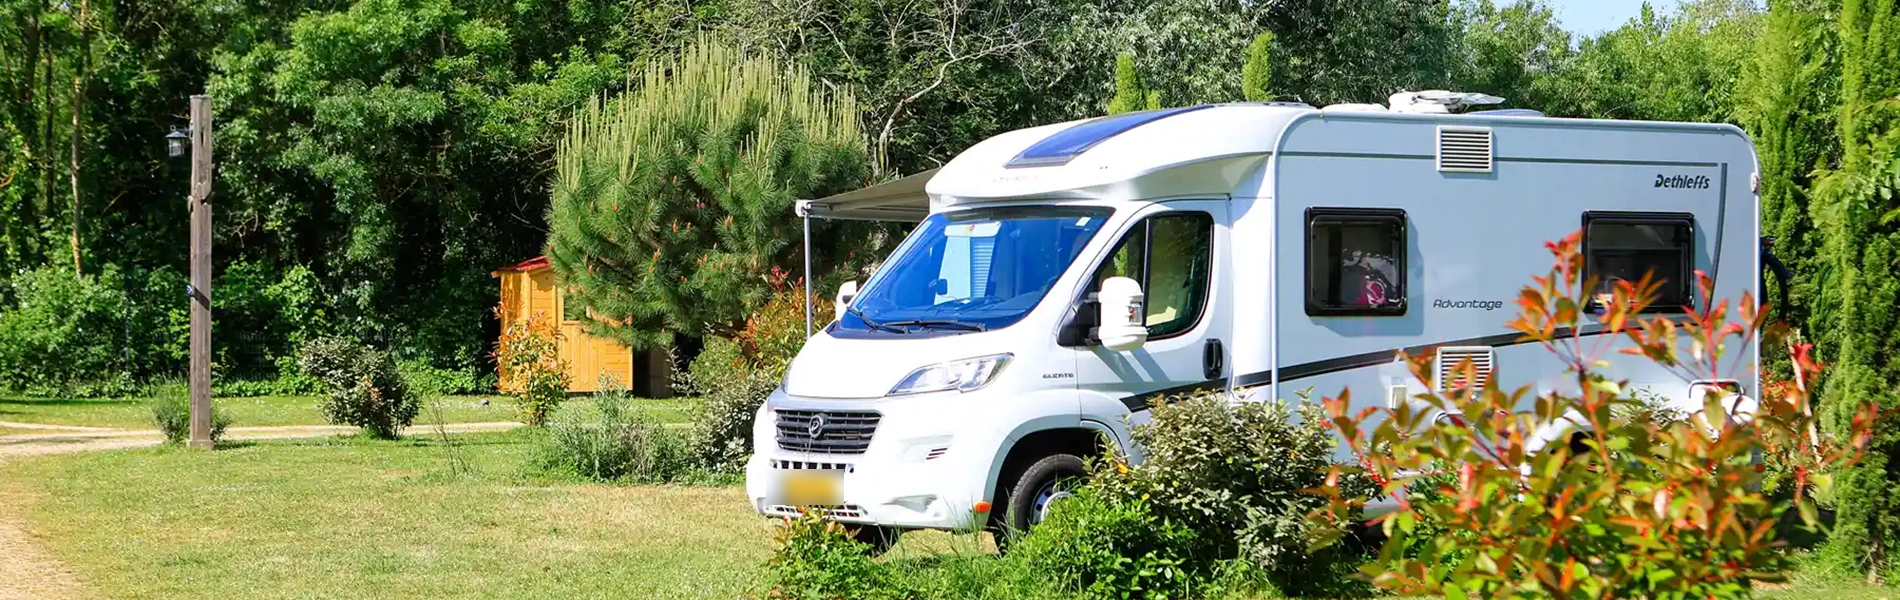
[817,426]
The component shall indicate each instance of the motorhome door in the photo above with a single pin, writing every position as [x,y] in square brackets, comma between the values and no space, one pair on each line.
[1178,251]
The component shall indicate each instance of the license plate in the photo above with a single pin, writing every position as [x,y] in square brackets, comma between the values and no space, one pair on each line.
[811,488]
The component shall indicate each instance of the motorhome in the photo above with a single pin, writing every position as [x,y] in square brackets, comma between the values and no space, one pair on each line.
[1063,278]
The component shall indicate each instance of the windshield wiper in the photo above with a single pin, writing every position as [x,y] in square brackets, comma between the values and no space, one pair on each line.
[873,324]
[939,323]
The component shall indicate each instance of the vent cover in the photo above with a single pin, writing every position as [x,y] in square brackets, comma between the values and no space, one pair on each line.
[1464,149]
[1451,377]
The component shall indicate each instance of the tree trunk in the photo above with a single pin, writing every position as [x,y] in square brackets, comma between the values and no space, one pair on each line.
[81,72]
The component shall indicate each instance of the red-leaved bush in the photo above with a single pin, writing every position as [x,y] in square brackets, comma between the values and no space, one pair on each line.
[1628,507]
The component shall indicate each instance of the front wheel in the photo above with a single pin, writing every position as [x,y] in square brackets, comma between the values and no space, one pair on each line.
[1040,486]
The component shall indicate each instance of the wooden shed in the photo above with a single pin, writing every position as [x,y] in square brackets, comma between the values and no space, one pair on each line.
[528,288]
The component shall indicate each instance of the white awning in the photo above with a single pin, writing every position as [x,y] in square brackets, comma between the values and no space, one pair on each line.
[900,200]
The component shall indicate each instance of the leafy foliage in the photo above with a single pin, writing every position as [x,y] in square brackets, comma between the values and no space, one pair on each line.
[1130,94]
[1107,546]
[1256,75]
[171,412]
[613,441]
[673,202]
[1642,508]
[62,333]
[730,379]
[817,559]
[532,370]
[365,388]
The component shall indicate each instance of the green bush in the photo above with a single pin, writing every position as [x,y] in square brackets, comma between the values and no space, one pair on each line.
[613,440]
[63,332]
[171,412]
[529,354]
[432,380]
[1236,474]
[730,379]
[817,559]
[1106,546]
[364,387]
[727,391]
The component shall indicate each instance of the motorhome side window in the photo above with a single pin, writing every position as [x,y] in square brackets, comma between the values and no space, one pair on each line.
[1355,262]
[1170,255]
[1627,246]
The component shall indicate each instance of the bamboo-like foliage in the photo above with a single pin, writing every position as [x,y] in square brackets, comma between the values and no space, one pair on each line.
[673,202]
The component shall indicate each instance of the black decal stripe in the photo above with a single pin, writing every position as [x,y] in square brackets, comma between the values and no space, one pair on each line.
[1145,400]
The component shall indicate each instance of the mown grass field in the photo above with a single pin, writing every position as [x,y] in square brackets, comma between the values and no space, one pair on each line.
[266,411]
[349,517]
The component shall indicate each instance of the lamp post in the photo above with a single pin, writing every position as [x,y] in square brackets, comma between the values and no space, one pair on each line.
[197,139]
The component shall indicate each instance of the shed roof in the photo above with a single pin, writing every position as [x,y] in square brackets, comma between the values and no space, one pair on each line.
[533,264]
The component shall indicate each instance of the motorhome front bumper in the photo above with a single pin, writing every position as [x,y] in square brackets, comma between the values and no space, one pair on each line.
[904,462]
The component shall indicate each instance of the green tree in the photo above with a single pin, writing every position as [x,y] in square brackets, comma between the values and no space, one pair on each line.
[1791,81]
[1861,289]
[1256,75]
[1675,67]
[1517,51]
[672,203]
[1130,94]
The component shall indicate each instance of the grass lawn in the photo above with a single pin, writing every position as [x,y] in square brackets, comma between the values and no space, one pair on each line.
[267,410]
[354,518]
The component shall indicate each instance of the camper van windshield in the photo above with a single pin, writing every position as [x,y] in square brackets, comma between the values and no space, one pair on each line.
[972,270]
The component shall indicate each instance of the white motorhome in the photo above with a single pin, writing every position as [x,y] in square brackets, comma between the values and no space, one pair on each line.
[1262,249]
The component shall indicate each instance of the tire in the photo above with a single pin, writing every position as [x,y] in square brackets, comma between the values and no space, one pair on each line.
[1047,480]
[878,537]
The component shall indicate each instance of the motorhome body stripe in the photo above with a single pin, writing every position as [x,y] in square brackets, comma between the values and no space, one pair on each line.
[1514,159]
[1146,400]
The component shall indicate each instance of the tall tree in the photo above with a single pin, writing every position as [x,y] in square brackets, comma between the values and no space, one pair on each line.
[673,203]
[1862,290]
[1517,51]
[1256,75]
[1130,93]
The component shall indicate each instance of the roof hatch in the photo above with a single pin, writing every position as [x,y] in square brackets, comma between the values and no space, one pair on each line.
[1057,150]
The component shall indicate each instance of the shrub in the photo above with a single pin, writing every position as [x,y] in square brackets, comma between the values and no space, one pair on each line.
[730,379]
[364,387]
[434,380]
[727,391]
[1224,487]
[171,412]
[63,331]
[817,559]
[529,355]
[1648,507]
[1107,546]
[613,441]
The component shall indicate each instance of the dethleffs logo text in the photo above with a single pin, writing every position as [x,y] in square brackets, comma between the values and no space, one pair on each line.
[1683,182]
[1468,304]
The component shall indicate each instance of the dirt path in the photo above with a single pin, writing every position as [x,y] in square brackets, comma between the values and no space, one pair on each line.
[28,572]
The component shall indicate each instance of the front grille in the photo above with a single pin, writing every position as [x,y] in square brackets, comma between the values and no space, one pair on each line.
[806,465]
[837,432]
[850,512]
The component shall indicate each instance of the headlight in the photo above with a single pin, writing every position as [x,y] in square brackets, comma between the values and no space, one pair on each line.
[963,375]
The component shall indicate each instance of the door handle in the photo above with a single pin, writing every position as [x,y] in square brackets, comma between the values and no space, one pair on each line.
[1213,359]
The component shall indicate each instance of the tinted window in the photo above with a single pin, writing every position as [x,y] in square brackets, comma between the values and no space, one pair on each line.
[1625,246]
[1171,256]
[973,270]
[1355,262]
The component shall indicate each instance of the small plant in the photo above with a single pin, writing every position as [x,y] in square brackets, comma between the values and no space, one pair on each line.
[1105,546]
[171,412]
[364,387]
[817,559]
[613,441]
[532,370]
[1633,507]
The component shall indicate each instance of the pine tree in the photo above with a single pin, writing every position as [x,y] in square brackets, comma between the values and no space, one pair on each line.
[672,204]
[1130,94]
[1256,75]
[1862,290]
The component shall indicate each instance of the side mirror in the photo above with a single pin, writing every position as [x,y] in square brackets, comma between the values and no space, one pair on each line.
[845,293]
[1124,315]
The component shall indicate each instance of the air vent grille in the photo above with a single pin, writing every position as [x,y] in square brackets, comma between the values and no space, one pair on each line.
[1451,375]
[1464,149]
